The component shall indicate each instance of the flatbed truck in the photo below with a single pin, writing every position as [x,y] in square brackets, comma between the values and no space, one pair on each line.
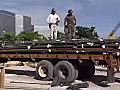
[69,59]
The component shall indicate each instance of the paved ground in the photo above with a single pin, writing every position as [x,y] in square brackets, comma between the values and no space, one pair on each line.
[23,78]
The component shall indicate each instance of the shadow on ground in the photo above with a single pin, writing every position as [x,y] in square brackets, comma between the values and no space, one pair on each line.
[23,88]
[101,80]
[26,73]
[21,72]
[40,83]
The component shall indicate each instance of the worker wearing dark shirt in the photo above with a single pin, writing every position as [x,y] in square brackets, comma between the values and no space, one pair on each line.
[69,24]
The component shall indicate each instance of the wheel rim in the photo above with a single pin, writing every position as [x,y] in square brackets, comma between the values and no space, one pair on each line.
[43,71]
[63,72]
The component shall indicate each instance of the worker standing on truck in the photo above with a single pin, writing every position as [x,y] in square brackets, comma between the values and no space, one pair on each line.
[53,20]
[69,25]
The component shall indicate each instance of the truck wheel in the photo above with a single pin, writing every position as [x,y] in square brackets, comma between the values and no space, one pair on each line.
[44,70]
[76,74]
[86,72]
[65,71]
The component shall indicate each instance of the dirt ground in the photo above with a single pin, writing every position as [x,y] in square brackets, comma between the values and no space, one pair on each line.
[24,78]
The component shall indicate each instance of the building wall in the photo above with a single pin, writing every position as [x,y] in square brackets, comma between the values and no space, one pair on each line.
[27,24]
[32,28]
[7,22]
[19,24]
[23,23]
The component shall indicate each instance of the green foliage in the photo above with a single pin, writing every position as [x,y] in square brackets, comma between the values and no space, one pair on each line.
[8,37]
[81,32]
[23,36]
[60,35]
[29,36]
[86,33]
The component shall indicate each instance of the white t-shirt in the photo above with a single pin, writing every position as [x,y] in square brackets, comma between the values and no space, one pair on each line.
[53,18]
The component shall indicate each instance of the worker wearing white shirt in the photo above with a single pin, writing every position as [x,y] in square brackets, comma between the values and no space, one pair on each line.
[53,20]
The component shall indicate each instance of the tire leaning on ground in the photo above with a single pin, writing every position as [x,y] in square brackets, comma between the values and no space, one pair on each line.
[65,71]
[44,70]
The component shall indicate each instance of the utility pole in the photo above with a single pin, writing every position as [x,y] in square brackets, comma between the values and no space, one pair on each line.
[2,76]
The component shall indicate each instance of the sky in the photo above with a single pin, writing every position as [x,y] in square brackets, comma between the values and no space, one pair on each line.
[102,14]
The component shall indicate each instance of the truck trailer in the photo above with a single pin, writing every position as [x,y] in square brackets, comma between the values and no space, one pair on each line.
[68,59]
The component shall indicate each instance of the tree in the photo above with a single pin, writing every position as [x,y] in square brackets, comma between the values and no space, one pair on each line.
[29,36]
[8,37]
[86,33]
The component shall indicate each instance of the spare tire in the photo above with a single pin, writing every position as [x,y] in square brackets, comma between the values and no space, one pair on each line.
[44,70]
[65,71]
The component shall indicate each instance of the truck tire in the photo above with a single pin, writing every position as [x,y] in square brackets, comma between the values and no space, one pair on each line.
[44,70]
[76,74]
[65,71]
[86,72]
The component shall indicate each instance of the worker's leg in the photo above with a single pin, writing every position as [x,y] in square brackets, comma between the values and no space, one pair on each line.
[55,32]
[73,31]
[51,32]
[66,32]
[69,32]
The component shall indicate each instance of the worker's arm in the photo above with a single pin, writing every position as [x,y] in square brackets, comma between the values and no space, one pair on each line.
[65,22]
[74,20]
[58,20]
[48,21]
